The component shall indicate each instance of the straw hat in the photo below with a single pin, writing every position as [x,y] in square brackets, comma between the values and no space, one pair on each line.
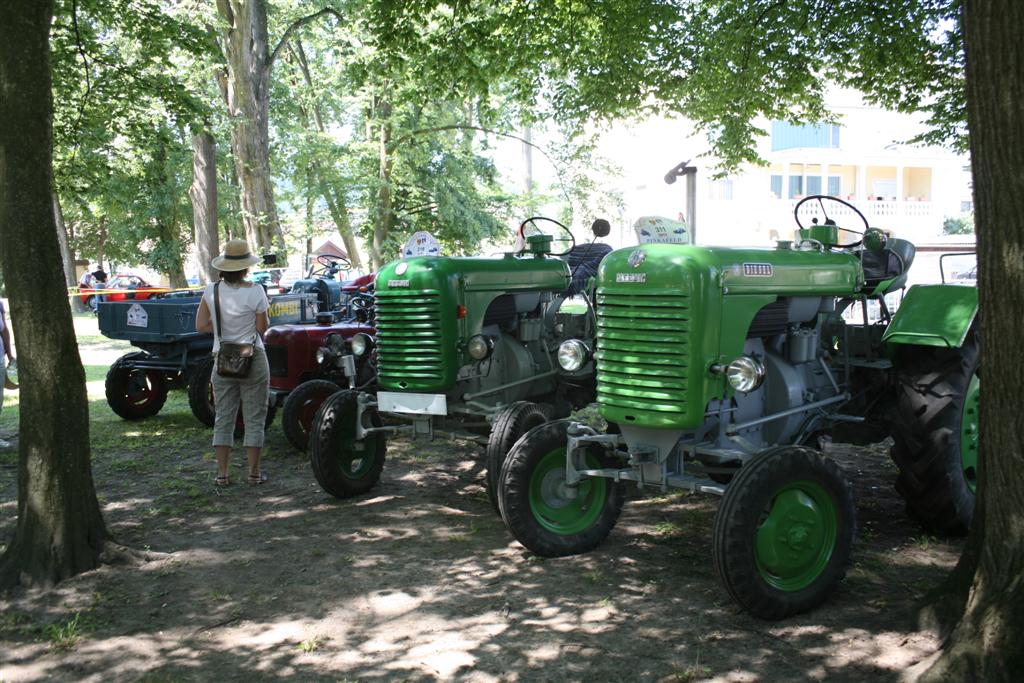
[236,256]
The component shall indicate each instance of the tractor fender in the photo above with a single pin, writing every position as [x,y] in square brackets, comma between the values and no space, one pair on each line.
[934,315]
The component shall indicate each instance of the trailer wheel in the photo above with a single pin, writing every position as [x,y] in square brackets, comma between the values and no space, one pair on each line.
[300,408]
[784,531]
[510,424]
[200,391]
[936,435]
[135,393]
[343,466]
[546,516]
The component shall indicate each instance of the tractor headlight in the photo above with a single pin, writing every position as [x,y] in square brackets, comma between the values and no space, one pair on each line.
[745,374]
[480,347]
[361,344]
[572,355]
[335,343]
[322,354]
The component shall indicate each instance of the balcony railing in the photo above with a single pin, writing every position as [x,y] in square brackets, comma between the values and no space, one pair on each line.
[871,209]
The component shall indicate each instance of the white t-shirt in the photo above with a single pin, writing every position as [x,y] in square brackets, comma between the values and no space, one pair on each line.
[239,306]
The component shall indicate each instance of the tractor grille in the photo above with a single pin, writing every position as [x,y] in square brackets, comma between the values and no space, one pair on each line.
[643,351]
[409,338]
[277,358]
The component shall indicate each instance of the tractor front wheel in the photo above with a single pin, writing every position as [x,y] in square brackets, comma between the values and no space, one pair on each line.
[200,391]
[549,517]
[936,435]
[509,425]
[135,393]
[300,408]
[342,465]
[784,531]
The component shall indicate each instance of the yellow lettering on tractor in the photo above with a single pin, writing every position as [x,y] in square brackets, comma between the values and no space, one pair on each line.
[283,308]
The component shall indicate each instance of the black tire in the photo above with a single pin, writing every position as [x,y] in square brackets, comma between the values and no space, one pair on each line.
[539,451]
[930,403]
[301,406]
[343,466]
[769,485]
[200,391]
[509,425]
[133,393]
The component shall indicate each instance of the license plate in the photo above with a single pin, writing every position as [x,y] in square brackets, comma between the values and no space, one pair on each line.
[414,404]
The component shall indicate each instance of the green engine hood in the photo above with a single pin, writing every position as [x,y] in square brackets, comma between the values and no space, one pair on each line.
[668,313]
[428,306]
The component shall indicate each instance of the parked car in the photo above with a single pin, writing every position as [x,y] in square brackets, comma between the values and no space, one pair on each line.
[134,288]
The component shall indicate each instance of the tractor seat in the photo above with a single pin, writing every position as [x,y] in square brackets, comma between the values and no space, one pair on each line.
[583,260]
[891,263]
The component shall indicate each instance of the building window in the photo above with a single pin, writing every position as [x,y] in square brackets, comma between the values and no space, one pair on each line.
[720,189]
[816,135]
[777,186]
[796,186]
[966,206]
[813,184]
[835,185]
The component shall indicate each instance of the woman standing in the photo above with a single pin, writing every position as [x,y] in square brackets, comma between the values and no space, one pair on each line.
[242,309]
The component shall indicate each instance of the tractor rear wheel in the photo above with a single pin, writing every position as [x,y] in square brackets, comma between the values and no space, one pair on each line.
[936,434]
[300,408]
[509,425]
[548,517]
[343,466]
[200,391]
[135,393]
[784,531]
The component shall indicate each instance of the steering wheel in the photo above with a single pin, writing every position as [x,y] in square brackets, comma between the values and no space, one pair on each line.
[330,264]
[828,221]
[559,237]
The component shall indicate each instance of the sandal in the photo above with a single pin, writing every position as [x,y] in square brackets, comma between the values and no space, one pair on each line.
[224,480]
[256,479]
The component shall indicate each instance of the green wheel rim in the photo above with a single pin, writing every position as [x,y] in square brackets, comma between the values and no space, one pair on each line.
[969,432]
[797,536]
[555,506]
[354,457]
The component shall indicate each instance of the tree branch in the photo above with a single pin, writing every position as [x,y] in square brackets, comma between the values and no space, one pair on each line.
[438,129]
[296,25]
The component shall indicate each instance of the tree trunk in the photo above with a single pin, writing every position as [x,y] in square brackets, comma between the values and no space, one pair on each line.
[987,642]
[335,200]
[246,51]
[383,218]
[60,531]
[67,257]
[101,242]
[203,194]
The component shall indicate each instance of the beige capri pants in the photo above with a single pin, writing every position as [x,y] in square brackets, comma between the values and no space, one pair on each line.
[252,393]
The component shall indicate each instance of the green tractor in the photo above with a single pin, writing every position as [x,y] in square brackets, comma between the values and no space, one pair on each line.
[467,347]
[727,371]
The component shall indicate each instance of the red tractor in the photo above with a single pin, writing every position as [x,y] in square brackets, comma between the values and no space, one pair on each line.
[308,363]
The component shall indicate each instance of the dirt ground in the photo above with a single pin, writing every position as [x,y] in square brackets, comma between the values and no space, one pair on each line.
[419,580]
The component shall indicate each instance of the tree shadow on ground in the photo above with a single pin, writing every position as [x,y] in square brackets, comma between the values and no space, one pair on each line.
[419,580]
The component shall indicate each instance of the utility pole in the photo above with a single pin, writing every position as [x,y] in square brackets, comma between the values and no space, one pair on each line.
[690,172]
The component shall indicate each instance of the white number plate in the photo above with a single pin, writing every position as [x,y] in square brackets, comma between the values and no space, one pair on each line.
[415,404]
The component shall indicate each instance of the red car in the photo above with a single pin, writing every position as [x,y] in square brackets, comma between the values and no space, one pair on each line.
[134,288]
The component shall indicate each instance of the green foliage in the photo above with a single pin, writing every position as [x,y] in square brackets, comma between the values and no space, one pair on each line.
[958,225]
[724,64]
